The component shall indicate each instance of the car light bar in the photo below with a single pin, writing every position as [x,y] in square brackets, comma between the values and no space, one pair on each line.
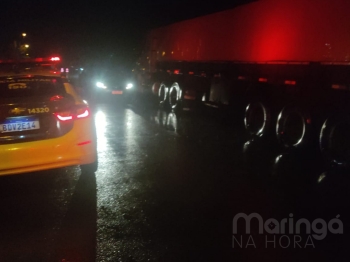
[32,60]
[56,58]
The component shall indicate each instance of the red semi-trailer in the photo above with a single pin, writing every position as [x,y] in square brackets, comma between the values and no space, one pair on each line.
[265,30]
[281,67]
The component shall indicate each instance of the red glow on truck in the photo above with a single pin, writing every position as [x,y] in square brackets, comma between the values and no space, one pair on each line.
[265,30]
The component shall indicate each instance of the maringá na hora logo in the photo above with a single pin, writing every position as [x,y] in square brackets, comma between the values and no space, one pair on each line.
[287,233]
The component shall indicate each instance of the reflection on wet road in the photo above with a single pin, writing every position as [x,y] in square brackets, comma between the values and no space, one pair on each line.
[120,180]
[167,189]
[169,186]
[33,208]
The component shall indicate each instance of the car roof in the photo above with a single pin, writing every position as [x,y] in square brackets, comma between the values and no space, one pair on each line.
[30,67]
[31,74]
[37,74]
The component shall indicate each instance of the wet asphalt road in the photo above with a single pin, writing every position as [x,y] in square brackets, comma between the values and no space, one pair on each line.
[167,189]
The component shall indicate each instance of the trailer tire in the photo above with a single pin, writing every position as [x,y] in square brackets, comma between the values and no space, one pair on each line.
[155,88]
[175,94]
[335,140]
[163,94]
[293,126]
[257,119]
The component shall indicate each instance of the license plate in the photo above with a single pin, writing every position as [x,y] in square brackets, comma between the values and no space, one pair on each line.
[14,126]
[117,92]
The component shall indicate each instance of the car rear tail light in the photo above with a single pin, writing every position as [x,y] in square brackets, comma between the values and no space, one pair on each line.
[64,116]
[78,112]
[83,112]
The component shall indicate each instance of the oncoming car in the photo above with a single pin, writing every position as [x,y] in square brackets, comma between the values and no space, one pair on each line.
[113,86]
[44,124]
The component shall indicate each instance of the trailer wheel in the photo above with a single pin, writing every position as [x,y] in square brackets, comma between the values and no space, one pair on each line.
[163,93]
[293,126]
[175,96]
[155,88]
[335,140]
[257,119]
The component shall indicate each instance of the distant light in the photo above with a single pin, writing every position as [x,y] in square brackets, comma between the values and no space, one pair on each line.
[321,178]
[55,58]
[26,46]
[290,82]
[101,85]
[81,69]
[129,86]
[340,87]
[24,34]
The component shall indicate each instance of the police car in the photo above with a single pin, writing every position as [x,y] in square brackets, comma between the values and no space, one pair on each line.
[44,123]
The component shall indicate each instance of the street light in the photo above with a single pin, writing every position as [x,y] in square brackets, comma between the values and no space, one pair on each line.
[26,46]
[24,34]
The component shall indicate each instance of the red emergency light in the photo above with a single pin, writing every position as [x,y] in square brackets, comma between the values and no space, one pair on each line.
[31,60]
[55,58]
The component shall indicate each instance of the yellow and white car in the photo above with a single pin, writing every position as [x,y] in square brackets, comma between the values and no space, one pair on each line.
[44,124]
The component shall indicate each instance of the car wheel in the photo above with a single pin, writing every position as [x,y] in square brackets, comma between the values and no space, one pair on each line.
[89,168]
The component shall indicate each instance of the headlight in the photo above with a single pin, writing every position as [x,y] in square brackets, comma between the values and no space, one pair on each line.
[101,85]
[129,86]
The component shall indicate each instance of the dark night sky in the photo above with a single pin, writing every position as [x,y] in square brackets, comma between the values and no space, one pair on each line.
[85,29]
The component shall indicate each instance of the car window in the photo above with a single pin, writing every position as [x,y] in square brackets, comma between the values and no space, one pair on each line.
[27,86]
[71,90]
